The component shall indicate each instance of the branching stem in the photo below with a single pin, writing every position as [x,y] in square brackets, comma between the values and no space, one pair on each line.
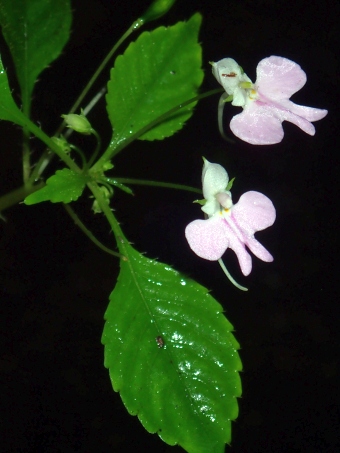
[88,233]
[167,185]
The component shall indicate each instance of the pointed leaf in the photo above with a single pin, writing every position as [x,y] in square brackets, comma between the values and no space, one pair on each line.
[172,356]
[8,109]
[63,187]
[156,73]
[36,32]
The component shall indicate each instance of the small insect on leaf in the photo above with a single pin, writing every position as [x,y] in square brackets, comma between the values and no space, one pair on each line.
[160,341]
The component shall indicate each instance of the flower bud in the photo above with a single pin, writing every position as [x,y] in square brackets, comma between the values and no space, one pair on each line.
[107,165]
[62,143]
[157,9]
[78,123]
[106,195]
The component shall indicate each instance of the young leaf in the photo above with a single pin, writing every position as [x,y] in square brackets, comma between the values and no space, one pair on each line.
[172,356]
[63,187]
[36,32]
[156,73]
[8,109]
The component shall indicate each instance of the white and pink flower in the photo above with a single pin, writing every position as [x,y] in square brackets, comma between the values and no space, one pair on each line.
[266,103]
[229,225]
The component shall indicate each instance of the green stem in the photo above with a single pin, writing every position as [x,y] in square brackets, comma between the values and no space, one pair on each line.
[96,151]
[17,195]
[96,98]
[88,233]
[26,161]
[39,133]
[137,24]
[120,238]
[81,154]
[168,185]
[220,109]
[22,192]
[227,273]
[47,155]
[40,166]
[124,142]
[26,152]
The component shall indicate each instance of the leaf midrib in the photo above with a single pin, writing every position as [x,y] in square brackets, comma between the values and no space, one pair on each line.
[194,404]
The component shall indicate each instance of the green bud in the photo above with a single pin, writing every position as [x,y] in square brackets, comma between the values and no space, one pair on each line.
[107,165]
[106,195]
[78,123]
[157,9]
[62,143]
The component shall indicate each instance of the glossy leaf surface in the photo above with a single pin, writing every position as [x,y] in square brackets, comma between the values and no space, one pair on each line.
[8,109]
[36,32]
[171,355]
[63,187]
[155,74]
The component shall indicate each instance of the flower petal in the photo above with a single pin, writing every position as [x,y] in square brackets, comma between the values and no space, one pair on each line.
[258,250]
[257,125]
[286,115]
[279,78]
[278,111]
[308,113]
[239,248]
[207,238]
[260,122]
[254,212]
[214,179]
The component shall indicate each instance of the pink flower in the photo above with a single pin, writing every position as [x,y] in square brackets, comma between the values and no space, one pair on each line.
[229,225]
[266,103]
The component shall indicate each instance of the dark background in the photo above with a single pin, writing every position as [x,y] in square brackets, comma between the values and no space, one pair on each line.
[56,394]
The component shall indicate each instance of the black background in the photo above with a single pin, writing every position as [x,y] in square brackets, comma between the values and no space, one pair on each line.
[56,394]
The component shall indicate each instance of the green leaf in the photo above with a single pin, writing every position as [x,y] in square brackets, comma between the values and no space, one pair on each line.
[63,187]
[172,356]
[36,32]
[8,109]
[156,73]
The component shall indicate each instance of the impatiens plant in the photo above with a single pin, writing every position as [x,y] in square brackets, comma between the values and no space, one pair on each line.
[266,102]
[169,349]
